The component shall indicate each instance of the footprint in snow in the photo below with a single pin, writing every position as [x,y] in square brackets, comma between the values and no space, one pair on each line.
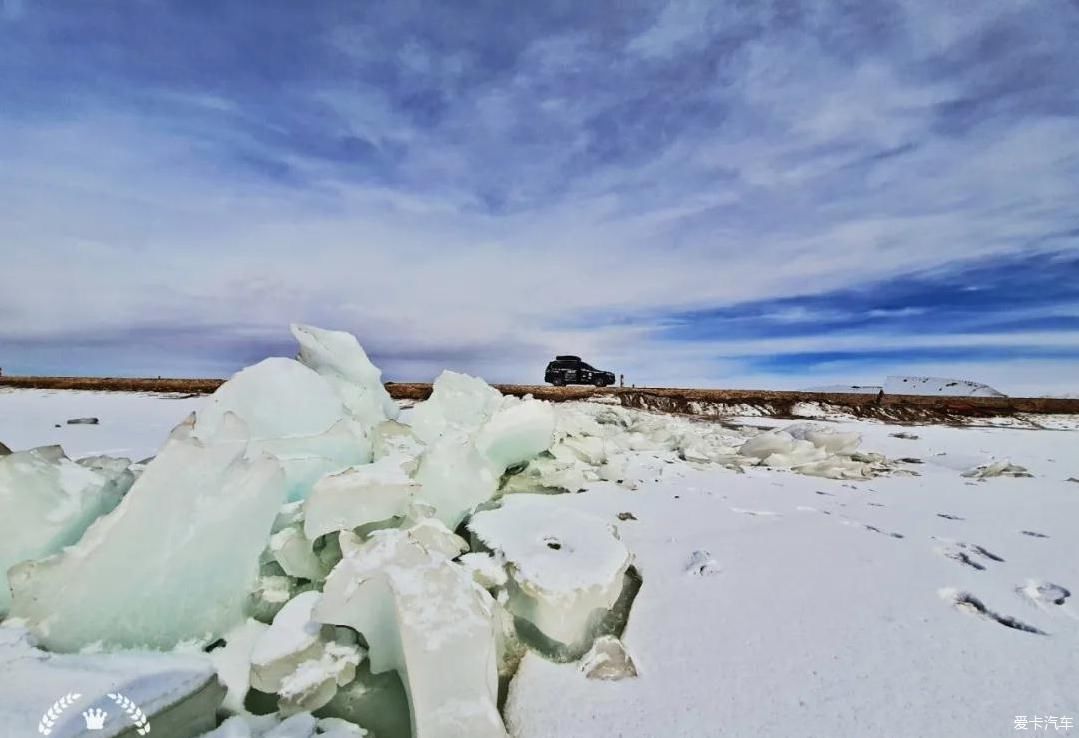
[964,553]
[1044,594]
[756,513]
[967,603]
[946,516]
[1033,534]
[701,564]
[873,529]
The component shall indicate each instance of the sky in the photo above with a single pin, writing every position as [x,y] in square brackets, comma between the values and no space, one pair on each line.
[714,194]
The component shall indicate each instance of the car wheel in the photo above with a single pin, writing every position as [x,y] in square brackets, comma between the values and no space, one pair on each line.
[600,382]
[558,382]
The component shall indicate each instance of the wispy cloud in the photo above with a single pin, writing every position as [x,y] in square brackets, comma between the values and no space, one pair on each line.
[658,186]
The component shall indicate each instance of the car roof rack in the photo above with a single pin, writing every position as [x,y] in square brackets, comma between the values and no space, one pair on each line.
[567,357]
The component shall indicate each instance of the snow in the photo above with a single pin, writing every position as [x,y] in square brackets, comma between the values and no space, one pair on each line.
[816,620]
[133,425]
[900,385]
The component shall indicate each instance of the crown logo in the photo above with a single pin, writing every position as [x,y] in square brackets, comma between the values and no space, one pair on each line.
[95,719]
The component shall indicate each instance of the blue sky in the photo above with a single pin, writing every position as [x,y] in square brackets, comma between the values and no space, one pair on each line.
[774,194]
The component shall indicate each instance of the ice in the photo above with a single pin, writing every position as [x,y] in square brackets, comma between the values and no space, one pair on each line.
[455,477]
[566,568]
[376,701]
[359,495]
[342,362]
[300,725]
[458,403]
[1001,468]
[297,659]
[473,436]
[608,660]
[292,638]
[48,501]
[286,410]
[516,433]
[487,571]
[174,561]
[390,438]
[233,662]
[826,439]
[425,618]
[295,554]
[178,695]
[276,398]
[305,459]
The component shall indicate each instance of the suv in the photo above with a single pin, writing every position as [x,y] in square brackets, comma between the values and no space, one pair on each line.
[571,370]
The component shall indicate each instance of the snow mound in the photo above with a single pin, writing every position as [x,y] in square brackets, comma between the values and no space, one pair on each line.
[900,385]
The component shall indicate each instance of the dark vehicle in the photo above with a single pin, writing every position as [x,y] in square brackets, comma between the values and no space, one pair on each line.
[571,370]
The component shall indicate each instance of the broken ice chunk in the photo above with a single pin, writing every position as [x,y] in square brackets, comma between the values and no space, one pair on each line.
[458,402]
[275,398]
[357,496]
[233,662]
[433,535]
[781,449]
[455,477]
[608,660]
[305,459]
[315,681]
[425,618]
[291,639]
[486,570]
[566,568]
[174,561]
[294,553]
[517,433]
[826,439]
[391,438]
[48,502]
[338,357]
[1001,468]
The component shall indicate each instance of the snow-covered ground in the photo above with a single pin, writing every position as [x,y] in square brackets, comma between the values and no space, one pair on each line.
[915,603]
[131,424]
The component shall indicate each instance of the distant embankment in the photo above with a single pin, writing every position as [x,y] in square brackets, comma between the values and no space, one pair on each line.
[704,402]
